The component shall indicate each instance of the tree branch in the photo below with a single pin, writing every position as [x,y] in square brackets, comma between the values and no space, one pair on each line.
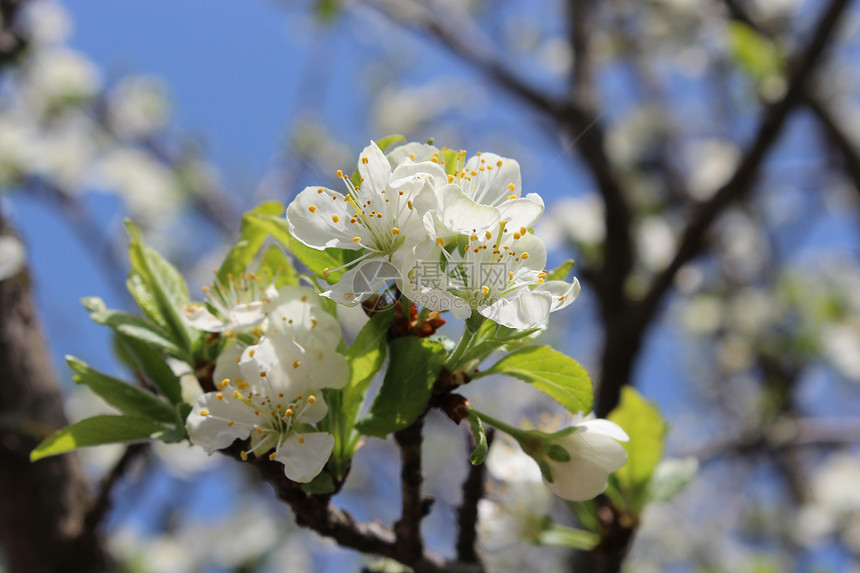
[408,528]
[467,513]
[99,508]
[693,240]
[837,137]
[44,503]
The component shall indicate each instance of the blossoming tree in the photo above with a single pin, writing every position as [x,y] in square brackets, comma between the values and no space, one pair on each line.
[415,298]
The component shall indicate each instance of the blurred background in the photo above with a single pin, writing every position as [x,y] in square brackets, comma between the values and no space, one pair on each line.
[699,160]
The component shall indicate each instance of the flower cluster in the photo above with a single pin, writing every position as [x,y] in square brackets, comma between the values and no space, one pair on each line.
[453,233]
[270,391]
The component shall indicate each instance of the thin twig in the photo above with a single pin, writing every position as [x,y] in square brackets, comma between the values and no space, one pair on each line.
[102,503]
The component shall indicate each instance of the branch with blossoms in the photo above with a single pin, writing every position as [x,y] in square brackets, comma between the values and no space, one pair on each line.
[419,232]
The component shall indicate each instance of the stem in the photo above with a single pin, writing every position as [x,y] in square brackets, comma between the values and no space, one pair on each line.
[470,330]
[515,433]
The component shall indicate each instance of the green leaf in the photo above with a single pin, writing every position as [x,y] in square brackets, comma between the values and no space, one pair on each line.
[756,54]
[277,268]
[161,287]
[366,356]
[451,161]
[497,338]
[408,385]
[551,372]
[132,326]
[316,261]
[94,432]
[126,398]
[643,423]
[560,272]
[321,484]
[389,140]
[152,365]
[671,477]
[251,240]
[481,446]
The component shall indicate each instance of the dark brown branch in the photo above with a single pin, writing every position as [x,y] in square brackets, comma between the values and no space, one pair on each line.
[580,80]
[99,508]
[580,122]
[693,240]
[43,503]
[837,137]
[414,508]
[467,513]
[799,433]
[316,512]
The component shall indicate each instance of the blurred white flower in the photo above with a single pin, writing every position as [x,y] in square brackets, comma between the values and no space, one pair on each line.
[702,315]
[710,163]
[752,310]
[18,146]
[506,462]
[578,219]
[66,150]
[138,106]
[48,22]
[149,188]
[841,345]
[408,110]
[556,56]
[835,483]
[57,75]
[12,256]
[511,518]
[655,243]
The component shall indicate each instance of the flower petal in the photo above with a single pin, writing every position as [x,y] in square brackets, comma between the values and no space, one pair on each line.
[597,447]
[359,283]
[320,218]
[524,311]
[579,479]
[522,212]
[374,169]
[315,412]
[420,151]
[303,461]
[227,365]
[224,422]
[297,315]
[488,182]
[606,428]
[562,293]
[460,213]
[198,316]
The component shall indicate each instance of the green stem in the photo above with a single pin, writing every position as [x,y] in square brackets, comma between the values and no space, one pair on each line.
[515,433]
[470,330]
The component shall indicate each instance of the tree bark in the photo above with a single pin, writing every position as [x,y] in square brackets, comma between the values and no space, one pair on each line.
[43,504]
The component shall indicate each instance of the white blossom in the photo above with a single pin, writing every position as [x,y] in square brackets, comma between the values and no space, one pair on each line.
[273,395]
[501,274]
[593,452]
[138,106]
[380,218]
